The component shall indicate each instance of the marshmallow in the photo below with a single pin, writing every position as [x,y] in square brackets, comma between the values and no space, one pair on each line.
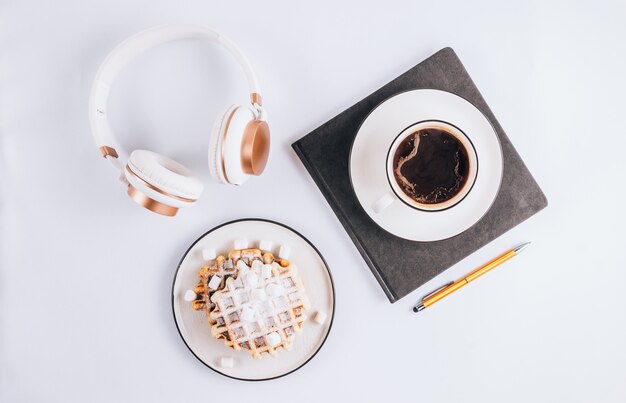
[257,264]
[273,339]
[280,303]
[241,265]
[274,290]
[237,283]
[189,296]
[227,362]
[244,297]
[208,254]
[215,282]
[264,309]
[320,317]
[252,280]
[284,251]
[266,271]
[266,245]
[241,244]
[258,294]
[247,313]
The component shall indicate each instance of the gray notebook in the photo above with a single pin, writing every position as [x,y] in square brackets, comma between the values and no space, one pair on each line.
[400,265]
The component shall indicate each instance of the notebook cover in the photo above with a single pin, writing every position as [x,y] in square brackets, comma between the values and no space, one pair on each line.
[400,265]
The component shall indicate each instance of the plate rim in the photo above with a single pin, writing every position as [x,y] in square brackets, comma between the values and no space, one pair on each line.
[493,127]
[332,287]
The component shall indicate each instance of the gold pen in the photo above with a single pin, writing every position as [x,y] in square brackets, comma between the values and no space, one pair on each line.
[451,287]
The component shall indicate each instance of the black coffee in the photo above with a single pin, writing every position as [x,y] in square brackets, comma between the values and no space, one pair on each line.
[431,165]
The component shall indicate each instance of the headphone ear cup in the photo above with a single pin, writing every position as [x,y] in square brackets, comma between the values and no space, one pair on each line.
[216,167]
[225,151]
[159,183]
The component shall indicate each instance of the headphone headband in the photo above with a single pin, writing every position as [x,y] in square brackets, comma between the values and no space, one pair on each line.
[128,50]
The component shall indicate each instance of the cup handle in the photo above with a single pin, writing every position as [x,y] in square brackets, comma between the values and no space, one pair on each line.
[383,202]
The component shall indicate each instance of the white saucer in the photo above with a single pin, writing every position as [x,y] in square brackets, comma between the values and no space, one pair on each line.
[369,153]
[195,331]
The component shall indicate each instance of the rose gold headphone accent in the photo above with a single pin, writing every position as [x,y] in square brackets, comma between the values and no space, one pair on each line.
[107,151]
[255,147]
[151,204]
[255,99]
[156,189]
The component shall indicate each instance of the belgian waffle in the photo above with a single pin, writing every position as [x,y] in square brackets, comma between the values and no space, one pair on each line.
[221,268]
[262,307]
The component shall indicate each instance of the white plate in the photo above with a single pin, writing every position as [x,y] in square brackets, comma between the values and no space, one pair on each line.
[369,153]
[195,331]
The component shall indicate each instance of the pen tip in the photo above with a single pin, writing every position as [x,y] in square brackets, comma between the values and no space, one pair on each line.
[415,309]
[521,247]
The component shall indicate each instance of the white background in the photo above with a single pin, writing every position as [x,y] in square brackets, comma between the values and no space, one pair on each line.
[86,274]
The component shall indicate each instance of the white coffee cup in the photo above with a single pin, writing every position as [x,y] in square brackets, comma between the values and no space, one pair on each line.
[397,193]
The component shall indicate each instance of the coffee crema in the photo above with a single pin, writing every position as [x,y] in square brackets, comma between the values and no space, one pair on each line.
[431,165]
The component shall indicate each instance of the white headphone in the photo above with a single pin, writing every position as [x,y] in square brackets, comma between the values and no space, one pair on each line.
[240,139]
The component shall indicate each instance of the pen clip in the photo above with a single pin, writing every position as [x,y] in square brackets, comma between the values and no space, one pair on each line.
[438,289]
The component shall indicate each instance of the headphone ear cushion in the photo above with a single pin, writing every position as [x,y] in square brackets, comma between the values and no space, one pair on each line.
[166,175]
[216,167]
[225,149]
